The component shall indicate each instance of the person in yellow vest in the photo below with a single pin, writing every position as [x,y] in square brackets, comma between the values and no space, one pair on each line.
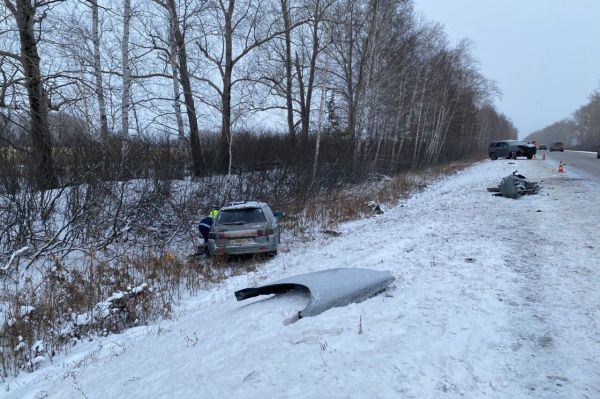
[207,222]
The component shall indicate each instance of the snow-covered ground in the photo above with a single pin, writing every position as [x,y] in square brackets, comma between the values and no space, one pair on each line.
[493,298]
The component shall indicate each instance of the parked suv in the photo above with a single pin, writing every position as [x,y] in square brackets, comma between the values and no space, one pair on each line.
[245,227]
[557,146]
[511,149]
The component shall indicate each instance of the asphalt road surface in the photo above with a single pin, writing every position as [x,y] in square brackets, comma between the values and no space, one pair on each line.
[583,163]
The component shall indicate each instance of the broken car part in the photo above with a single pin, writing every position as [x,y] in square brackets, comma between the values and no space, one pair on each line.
[327,288]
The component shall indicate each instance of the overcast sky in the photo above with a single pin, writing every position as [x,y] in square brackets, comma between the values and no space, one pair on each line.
[543,54]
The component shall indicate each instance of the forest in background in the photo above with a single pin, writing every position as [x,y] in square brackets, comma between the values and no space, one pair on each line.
[581,131]
[367,80]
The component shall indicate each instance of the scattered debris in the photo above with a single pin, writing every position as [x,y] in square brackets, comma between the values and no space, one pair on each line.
[515,185]
[375,207]
[331,232]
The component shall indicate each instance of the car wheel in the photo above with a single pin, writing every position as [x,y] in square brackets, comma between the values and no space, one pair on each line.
[598,155]
[529,156]
[562,150]
[493,156]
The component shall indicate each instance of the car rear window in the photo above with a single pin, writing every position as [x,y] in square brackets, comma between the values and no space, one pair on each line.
[241,216]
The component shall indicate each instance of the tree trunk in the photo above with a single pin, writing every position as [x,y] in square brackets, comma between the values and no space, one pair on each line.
[38,102]
[302,100]
[319,127]
[126,70]
[288,70]
[176,90]
[225,153]
[312,72]
[98,71]
[187,92]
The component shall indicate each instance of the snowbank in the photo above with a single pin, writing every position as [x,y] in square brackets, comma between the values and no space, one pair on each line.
[493,298]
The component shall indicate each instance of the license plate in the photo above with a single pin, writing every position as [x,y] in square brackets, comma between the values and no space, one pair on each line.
[239,242]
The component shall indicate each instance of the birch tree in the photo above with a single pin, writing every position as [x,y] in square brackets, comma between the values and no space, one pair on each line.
[98,69]
[126,77]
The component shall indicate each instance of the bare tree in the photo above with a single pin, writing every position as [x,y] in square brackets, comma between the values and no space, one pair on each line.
[310,49]
[245,25]
[126,78]
[184,74]
[287,24]
[25,14]
[98,69]
[176,89]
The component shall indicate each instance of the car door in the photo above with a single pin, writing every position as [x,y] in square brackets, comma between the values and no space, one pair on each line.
[273,222]
[502,150]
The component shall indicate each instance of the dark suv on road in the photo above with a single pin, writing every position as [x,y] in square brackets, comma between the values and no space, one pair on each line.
[557,146]
[511,149]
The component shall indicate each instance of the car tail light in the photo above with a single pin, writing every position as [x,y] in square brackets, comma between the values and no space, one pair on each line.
[265,233]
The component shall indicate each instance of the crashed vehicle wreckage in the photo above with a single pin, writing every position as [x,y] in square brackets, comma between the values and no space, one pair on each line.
[515,185]
[326,288]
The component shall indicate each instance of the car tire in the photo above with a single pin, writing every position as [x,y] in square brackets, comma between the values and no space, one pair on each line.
[529,156]
[562,150]
[493,156]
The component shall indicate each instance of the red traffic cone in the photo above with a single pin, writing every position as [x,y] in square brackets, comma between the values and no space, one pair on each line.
[561,168]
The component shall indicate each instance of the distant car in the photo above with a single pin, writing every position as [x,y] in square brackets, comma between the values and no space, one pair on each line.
[542,147]
[511,149]
[557,146]
[245,227]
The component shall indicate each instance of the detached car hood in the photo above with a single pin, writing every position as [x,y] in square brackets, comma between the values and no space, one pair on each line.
[327,288]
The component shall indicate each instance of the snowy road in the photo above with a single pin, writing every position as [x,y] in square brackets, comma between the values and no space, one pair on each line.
[493,298]
[585,163]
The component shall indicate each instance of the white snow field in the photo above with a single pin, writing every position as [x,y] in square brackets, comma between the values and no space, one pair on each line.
[493,297]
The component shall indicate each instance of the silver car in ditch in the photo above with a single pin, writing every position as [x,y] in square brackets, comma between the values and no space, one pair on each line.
[245,227]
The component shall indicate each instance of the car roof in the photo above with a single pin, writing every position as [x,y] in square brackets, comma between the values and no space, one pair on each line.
[242,205]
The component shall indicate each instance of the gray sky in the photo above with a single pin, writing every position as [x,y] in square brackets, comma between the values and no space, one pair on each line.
[543,54]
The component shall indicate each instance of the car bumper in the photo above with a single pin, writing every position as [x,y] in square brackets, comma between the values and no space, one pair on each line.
[218,247]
